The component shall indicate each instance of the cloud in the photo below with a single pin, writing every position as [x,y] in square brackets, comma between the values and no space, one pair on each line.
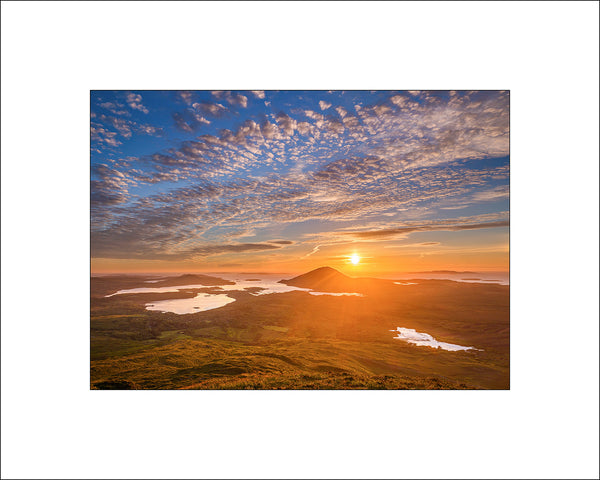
[347,190]
[497,193]
[209,108]
[269,130]
[124,126]
[413,245]
[149,130]
[185,96]
[286,123]
[188,121]
[399,154]
[400,100]
[341,111]
[388,233]
[324,105]
[312,252]
[134,101]
[258,93]
[101,135]
[240,233]
[239,100]
[232,98]
[455,207]
[304,128]
[318,117]
[110,186]
[282,242]
[231,248]
[128,246]
[115,108]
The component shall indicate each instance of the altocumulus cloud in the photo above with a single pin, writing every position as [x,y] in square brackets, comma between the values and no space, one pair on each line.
[288,165]
[134,101]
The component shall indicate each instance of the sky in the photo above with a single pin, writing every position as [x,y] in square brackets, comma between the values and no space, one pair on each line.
[288,181]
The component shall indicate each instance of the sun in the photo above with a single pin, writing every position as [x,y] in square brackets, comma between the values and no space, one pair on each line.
[354,258]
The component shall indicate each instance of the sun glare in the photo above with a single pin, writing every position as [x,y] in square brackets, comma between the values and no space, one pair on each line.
[354,258]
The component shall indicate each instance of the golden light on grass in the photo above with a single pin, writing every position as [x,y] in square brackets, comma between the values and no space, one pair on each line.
[354,259]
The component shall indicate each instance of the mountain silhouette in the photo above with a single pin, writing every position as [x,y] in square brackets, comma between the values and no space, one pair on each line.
[327,279]
[316,277]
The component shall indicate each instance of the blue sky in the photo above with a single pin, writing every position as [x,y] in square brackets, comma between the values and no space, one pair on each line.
[289,180]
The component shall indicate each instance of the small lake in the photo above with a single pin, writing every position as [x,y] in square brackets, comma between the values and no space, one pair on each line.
[199,303]
[208,301]
[410,335]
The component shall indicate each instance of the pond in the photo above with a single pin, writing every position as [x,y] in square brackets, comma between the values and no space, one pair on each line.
[410,335]
[199,303]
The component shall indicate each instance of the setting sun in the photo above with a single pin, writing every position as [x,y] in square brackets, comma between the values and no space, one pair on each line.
[354,258]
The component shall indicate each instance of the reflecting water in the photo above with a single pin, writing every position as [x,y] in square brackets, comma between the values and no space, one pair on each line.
[157,289]
[269,286]
[410,335]
[207,301]
[201,302]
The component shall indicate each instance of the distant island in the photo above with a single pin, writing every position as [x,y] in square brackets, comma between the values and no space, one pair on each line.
[192,279]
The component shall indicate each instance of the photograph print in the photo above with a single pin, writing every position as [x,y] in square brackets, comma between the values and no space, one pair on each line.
[299,239]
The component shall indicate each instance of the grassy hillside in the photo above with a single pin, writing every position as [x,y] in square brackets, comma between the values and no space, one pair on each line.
[298,340]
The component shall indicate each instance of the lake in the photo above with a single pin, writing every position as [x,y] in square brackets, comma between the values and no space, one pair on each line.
[410,335]
[207,301]
[269,284]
